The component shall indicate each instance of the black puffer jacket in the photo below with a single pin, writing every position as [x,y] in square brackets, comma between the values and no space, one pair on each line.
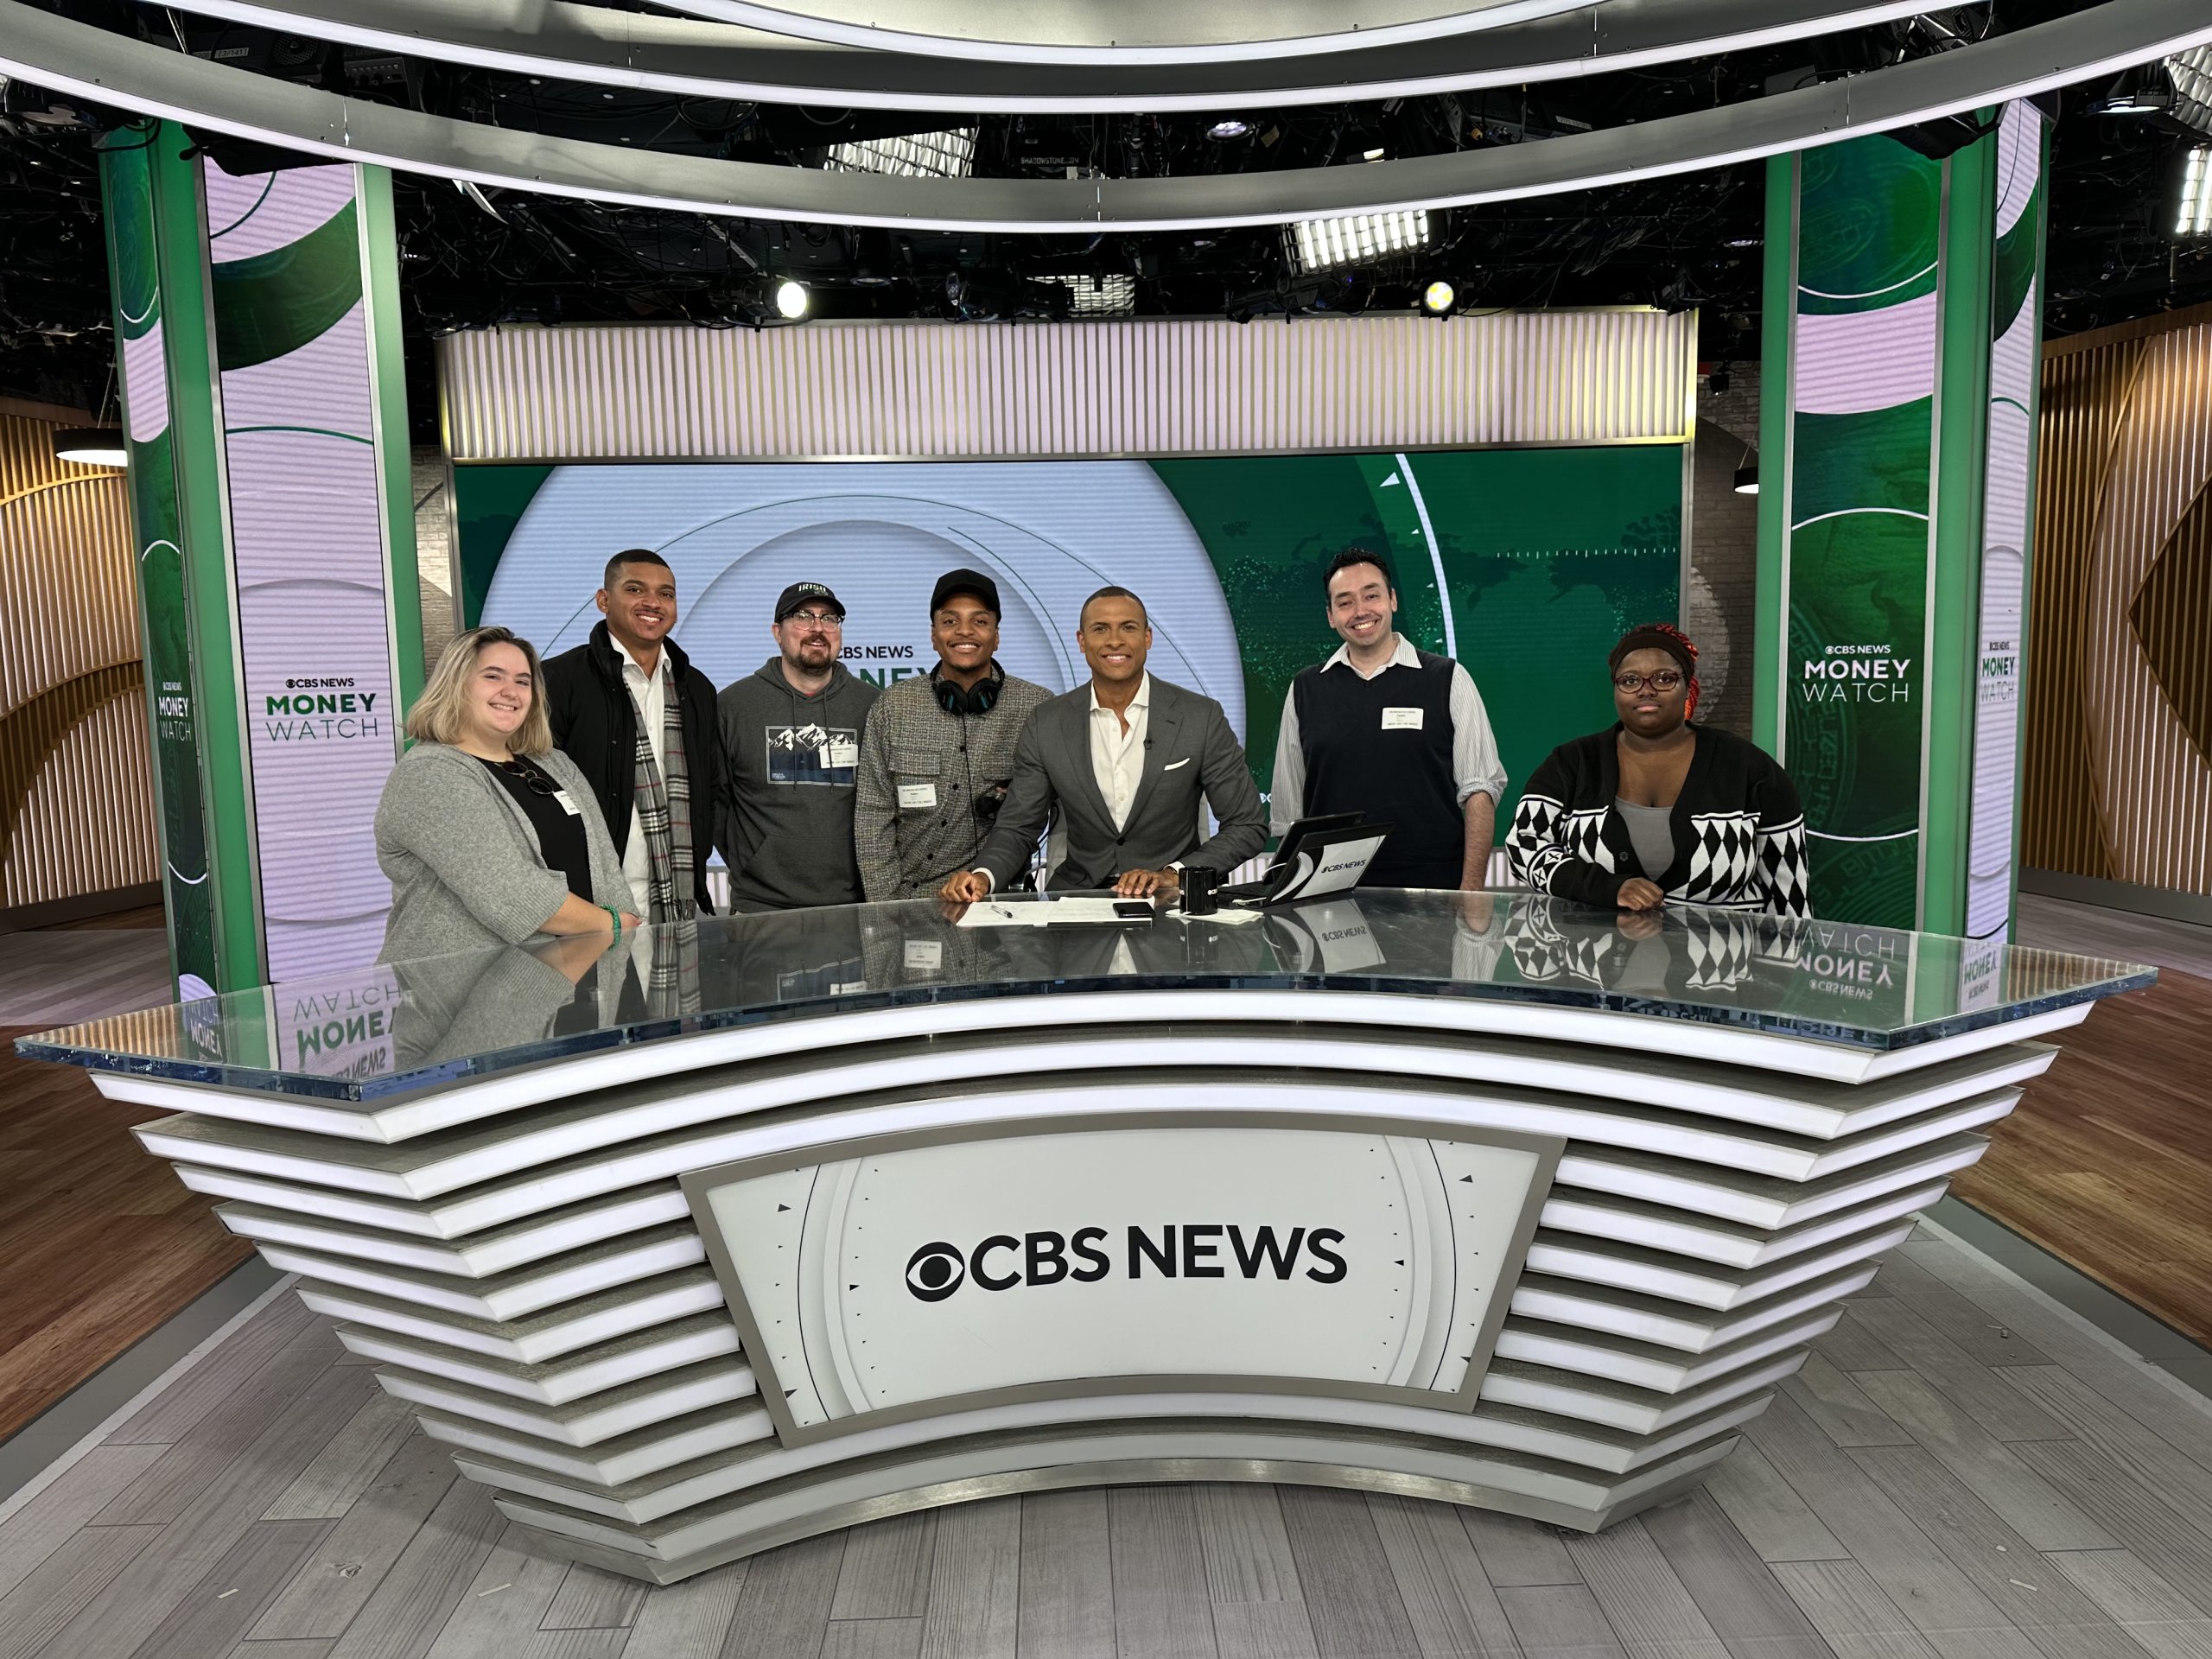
[596,724]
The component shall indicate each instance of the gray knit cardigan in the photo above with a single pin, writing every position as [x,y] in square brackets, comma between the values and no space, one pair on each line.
[463,858]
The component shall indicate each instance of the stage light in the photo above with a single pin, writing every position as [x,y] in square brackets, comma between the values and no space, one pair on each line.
[1229,128]
[1438,297]
[2196,216]
[1323,244]
[1747,475]
[790,300]
[90,446]
[950,155]
[1114,296]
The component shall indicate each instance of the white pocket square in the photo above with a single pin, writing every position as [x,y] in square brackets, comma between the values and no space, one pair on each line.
[1172,765]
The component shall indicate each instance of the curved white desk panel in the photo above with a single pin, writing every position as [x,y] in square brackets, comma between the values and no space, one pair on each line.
[1004,1466]
[616,1153]
[1787,1083]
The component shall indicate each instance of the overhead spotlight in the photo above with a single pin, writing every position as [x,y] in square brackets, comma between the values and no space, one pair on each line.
[2196,216]
[790,300]
[1747,474]
[1231,128]
[90,446]
[2143,90]
[948,155]
[1375,155]
[1438,298]
[1359,238]
[1719,381]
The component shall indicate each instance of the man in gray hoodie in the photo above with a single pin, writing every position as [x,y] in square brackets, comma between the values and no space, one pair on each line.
[792,738]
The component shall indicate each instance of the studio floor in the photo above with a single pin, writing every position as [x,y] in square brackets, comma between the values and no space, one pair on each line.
[1962,1471]
[1967,1466]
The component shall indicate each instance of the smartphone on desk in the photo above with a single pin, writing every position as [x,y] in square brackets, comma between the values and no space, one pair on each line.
[1134,910]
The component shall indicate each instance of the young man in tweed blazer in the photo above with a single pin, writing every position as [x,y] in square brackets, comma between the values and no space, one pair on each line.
[939,750]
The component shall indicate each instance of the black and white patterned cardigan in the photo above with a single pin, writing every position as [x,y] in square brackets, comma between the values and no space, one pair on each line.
[1739,832]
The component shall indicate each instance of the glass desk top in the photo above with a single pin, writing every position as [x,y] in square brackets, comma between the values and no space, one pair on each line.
[397,1026]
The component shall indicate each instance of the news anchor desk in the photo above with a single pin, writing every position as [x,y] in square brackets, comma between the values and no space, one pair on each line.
[729,1238]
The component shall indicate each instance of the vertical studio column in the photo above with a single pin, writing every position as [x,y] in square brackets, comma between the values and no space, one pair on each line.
[157,287]
[258,314]
[1896,446]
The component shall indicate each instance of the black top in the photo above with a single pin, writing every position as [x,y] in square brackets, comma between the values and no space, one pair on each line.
[596,724]
[1739,833]
[1364,753]
[559,832]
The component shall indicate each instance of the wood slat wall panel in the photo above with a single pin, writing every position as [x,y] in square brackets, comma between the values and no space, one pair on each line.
[2117,781]
[1147,387]
[76,786]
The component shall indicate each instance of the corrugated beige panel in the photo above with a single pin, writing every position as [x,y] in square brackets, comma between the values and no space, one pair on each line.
[1141,387]
[66,602]
[76,792]
[2118,783]
[87,825]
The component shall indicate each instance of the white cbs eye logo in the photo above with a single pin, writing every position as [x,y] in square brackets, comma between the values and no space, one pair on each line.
[934,1271]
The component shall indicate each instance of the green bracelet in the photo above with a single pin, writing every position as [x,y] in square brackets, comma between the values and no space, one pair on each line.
[615,916]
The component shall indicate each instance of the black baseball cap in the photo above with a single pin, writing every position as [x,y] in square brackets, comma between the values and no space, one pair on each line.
[806,593]
[965,581]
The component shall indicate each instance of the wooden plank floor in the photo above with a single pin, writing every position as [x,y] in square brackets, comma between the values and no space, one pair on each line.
[2108,1162]
[1964,1472]
[100,1244]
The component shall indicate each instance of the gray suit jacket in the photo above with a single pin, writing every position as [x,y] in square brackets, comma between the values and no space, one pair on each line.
[1190,752]
[464,861]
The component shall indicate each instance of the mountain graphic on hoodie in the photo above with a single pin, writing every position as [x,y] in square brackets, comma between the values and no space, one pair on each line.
[789,836]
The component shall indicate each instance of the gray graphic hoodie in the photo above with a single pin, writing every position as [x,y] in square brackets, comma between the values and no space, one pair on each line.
[792,758]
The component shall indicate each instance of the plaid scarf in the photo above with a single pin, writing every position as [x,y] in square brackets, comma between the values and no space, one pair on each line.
[664,802]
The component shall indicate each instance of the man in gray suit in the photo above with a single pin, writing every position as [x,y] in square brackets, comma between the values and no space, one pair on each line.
[1124,760]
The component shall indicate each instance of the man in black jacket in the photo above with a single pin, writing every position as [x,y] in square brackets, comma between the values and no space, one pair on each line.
[659,781]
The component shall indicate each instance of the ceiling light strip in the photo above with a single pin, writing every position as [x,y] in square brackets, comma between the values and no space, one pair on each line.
[71,57]
[1126,31]
[691,58]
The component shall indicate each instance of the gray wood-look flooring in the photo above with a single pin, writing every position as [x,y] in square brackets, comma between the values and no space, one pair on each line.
[1962,1473]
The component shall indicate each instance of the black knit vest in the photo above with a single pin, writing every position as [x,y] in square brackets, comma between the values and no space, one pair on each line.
[1353,765]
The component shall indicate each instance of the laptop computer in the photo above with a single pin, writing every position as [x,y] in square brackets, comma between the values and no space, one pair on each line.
[1319,856]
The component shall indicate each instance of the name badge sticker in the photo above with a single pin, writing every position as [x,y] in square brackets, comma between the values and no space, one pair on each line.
[841,752]
[918,795]
[1402,720]
[926,954]
[568,805]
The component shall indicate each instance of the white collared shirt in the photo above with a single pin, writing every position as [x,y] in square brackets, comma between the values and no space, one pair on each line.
[1117,756]
[649,697]
[1475,765]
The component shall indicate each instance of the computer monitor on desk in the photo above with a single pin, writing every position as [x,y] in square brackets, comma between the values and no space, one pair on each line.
[1318,856]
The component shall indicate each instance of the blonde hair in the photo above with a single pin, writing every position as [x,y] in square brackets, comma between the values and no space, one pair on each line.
[438,713]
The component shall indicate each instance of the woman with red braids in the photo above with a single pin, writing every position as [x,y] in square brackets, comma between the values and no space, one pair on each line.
[1658,808]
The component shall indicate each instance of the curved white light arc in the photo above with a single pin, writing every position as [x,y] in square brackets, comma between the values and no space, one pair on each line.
[71,57]
[698,59]
[1121,31]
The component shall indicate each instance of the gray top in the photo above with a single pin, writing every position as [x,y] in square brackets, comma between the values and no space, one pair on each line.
[914,818]
[464,862]
[1651,832]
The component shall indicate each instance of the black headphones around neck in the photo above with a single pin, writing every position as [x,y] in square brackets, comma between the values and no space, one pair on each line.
[978,699]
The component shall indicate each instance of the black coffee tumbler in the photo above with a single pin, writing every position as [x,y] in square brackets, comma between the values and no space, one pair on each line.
[1198,885]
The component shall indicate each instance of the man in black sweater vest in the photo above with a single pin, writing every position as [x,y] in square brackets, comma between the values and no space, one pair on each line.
[1392,732]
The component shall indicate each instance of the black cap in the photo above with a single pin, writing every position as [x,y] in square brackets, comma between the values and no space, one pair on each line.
[805,592]
[965,581]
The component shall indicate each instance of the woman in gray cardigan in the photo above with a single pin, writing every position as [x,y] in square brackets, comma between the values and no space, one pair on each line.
[489,834]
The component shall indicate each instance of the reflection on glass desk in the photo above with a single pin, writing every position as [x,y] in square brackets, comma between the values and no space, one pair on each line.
[404,1026]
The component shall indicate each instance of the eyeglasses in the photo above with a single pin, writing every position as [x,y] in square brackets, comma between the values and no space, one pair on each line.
[1665,680]
[815,619]
[539,783]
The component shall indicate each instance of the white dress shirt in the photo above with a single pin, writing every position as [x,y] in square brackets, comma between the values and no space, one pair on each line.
[1475,765]
[1117,756]
[649,697]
